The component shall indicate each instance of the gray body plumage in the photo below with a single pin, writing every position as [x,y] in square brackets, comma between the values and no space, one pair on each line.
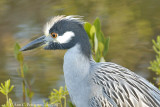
[92,84]
[106,84]
[124,88]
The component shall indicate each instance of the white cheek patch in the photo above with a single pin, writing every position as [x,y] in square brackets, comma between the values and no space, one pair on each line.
[66,37]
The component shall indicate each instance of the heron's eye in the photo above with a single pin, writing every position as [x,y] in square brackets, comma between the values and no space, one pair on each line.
[54,35]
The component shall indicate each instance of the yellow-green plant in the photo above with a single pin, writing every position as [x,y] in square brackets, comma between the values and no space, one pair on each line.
[46,104]
[155,64]
[6,89]
[20,59]
[58,97]
[98,42]
[23,70]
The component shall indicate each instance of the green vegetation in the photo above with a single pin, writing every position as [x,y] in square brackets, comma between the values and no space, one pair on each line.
[98,42]
[23,71]
[20,58]
[58,98]
[6,89]
[155,65]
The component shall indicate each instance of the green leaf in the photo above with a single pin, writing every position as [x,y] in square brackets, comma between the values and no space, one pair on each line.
[101,47]
[95,43]
[98,56]
[10,103]
[60,90]
[87,27]
[97,25]
[106,46]
[98,34]
[20,57]
[16,48]
[56,91]
[25,68]
[7,84]
[2,91]
[29,93]
[102,37]
[92,32]
[98,30]
[11,88]
[17,53]
[2,86]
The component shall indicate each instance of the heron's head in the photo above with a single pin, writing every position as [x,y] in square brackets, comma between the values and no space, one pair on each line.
[62,32]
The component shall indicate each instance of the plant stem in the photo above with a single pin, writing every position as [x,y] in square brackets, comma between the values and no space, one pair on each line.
[22,73]
[61,103]
[24,91]
[23,84]
[7,100]
[65,101]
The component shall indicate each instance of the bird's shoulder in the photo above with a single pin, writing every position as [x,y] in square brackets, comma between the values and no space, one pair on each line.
[123,86]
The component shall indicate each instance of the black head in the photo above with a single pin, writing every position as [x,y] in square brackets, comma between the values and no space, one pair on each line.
[62,32]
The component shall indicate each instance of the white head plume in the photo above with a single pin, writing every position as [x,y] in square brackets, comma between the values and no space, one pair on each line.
[56,19]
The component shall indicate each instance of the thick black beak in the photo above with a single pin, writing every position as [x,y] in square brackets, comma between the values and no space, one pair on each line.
[34,44]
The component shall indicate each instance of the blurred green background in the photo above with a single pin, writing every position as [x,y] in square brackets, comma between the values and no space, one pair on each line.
[131,25]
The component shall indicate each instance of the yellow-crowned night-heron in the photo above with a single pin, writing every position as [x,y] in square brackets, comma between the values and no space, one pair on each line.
[92,84]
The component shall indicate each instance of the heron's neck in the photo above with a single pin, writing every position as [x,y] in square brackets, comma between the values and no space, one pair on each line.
[76,62]
[76,69]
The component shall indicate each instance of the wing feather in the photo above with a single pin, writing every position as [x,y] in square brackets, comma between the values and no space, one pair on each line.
[124,87]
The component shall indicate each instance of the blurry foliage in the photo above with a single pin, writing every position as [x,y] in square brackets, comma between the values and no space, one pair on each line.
[6,89]
[155,64]
[23,70]
[58,97]
[98,42]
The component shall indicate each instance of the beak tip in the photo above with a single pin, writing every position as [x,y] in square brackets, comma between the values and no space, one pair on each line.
[23,49]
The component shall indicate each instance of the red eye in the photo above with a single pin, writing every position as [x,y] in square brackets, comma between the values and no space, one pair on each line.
[54,35]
